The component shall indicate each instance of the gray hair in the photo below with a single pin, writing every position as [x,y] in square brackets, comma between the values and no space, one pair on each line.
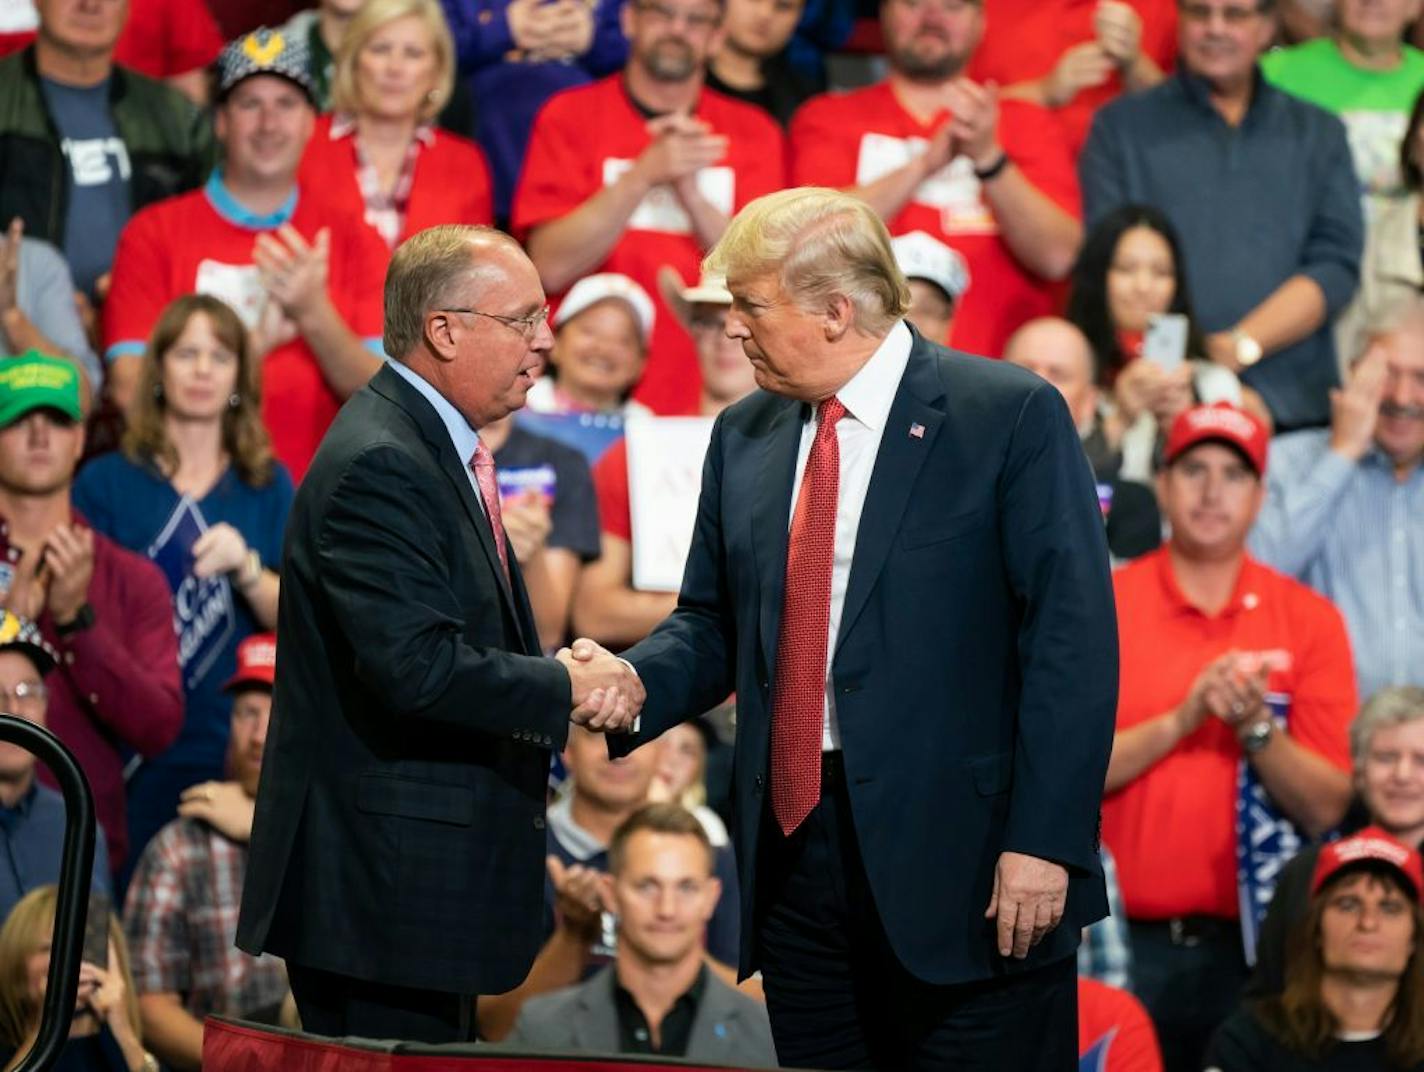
[821,243]
[425,272]
[1396,705]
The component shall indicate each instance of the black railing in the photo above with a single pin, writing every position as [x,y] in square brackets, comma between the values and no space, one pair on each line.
[76,865]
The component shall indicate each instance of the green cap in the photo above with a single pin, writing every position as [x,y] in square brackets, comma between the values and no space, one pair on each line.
[36,381]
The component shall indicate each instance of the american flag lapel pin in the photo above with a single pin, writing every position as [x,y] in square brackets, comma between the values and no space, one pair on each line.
[917,430]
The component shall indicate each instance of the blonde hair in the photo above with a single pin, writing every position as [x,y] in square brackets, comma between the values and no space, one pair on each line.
[30,922]
[423,271]
[820,243]
[244,436]
[374,14]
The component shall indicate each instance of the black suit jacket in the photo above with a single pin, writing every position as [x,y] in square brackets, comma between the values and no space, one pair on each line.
[399,834]
[975,671]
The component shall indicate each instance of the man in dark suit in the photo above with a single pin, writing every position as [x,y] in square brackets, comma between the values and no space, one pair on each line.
[926,669]
[397,855]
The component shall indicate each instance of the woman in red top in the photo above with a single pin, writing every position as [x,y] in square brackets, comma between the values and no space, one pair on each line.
[379,153]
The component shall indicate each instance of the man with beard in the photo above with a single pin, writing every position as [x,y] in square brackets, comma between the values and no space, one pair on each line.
[932,151]
[1345,505]
[643,169]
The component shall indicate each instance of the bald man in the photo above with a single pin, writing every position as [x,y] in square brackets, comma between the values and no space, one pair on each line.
[1056,350]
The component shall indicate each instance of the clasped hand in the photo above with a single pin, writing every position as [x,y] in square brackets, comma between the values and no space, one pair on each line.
[607,695]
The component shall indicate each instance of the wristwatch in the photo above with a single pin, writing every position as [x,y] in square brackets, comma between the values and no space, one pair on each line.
[1248,350]
[81,621]
[1258,735]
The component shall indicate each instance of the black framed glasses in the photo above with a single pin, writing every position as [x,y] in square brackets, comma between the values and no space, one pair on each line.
[525,325]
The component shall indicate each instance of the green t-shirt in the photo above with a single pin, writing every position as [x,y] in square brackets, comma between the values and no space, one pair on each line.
[1374,105]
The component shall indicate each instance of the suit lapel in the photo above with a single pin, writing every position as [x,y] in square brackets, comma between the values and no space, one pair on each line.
[595,1025]
[897,465]
[389,384]
[771,519]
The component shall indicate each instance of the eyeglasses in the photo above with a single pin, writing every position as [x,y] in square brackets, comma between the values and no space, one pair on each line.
[695,20]
[525,325]
[1232,16]
[944,7]
[24,694]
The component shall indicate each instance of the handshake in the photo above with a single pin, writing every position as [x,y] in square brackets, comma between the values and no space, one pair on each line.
[607,695]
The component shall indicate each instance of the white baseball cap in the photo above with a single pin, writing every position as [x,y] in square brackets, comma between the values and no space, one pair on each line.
[592,289]
[922,256]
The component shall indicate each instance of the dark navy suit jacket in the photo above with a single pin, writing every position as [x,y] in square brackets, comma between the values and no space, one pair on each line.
[975,671]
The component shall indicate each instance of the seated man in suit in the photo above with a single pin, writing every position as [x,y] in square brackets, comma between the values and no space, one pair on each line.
[658,996]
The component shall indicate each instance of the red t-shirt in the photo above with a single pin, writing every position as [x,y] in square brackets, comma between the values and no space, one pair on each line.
[185,244]
[851,139]
[610,482]
[582,140]
[451,183]
[1115,1034]
[1023,40]
[1172,829]
[161,37]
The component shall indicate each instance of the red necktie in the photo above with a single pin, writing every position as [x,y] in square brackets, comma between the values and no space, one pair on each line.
[483,465]
[799,695]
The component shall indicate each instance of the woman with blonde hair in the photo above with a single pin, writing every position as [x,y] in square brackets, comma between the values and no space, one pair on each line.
[378,155]
[105,1035]
[196,489]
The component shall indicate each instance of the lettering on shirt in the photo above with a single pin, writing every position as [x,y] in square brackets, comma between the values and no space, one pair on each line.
[93,161]
[239,285]
[661,210]
[953,190]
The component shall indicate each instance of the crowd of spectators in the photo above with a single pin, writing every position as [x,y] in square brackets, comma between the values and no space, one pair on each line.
[1200,220]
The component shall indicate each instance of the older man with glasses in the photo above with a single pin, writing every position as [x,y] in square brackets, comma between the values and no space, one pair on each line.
[1261,188]
[643,169]
[31,815]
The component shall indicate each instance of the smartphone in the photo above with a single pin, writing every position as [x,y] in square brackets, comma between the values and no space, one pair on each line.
[96,930]
[1165,343]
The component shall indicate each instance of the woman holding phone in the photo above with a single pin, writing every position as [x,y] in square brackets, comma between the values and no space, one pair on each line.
[1129,297]
[105,1035]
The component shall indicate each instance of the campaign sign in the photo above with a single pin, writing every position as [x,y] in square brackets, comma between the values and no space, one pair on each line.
[203,613]
[664,481]
[514,482]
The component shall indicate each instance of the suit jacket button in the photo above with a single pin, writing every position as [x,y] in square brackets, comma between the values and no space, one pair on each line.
[760,781]
[538,822]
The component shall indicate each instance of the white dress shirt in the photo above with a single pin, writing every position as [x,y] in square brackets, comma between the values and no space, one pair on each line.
[867,399]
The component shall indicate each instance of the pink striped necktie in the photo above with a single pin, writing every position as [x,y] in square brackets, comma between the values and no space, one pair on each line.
[483,466]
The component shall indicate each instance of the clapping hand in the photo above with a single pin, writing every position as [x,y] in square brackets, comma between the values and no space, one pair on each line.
[607,695]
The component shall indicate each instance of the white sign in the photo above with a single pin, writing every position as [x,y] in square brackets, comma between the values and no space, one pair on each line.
[664,480]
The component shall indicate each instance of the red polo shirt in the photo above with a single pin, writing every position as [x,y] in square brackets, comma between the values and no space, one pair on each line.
[851,139]
[610,481]
[1172,829]
[1023,40]
[583,139]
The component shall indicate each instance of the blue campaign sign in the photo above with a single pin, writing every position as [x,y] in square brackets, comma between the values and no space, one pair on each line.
[203,613]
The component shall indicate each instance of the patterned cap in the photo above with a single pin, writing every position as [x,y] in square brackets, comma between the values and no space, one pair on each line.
[266,51]
[22,635]
[922,256]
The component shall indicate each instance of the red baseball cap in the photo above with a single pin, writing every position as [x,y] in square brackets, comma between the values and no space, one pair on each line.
[256,662]
[1370,845]
[1223,423]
